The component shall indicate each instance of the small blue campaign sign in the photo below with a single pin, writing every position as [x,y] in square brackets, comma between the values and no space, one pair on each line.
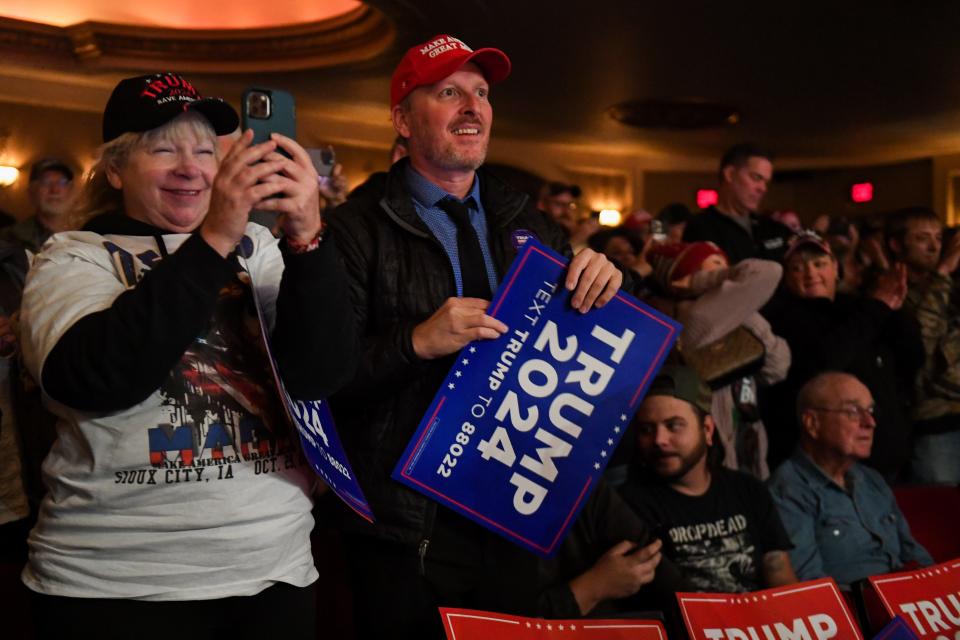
[318,437]
[524,425]
[897,629]
[324,451]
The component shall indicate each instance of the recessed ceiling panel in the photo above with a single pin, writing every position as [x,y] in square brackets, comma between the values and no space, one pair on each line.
[178,14]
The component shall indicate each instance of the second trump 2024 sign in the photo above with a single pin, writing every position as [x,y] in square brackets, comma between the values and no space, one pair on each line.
[524,425]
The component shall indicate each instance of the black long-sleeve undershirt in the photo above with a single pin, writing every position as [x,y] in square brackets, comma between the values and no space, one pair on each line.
[116,358]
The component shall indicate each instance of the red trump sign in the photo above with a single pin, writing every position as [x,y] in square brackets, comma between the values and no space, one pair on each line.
[467,624]
[928,599]
[806,611]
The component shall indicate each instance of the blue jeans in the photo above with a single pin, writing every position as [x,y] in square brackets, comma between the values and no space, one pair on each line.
[936,458]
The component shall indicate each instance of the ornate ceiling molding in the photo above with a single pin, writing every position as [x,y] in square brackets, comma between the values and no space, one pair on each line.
[357,35]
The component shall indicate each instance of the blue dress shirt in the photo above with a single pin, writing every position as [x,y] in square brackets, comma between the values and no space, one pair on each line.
[847,534]
[426,195]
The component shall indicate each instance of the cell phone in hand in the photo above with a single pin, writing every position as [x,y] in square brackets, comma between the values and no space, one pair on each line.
[324,159]
[657,231]
[268,111]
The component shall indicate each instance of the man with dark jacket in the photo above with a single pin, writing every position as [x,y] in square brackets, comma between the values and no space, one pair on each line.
[423,257]
[733,223]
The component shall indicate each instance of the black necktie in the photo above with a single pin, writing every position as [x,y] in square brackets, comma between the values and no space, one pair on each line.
[473,269]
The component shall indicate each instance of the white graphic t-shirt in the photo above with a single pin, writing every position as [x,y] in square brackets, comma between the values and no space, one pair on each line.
[198,492]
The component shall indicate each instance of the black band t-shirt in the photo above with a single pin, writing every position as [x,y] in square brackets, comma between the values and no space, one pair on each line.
[718,539]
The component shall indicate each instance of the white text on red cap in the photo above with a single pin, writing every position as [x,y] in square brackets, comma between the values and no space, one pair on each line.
[441,45]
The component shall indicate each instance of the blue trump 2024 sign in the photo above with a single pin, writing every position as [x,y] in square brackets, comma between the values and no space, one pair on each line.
[318,436]
[524,425]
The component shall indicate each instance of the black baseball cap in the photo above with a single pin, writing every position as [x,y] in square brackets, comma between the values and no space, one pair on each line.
[146,102]
[50,164]
[551,189]
[683,383]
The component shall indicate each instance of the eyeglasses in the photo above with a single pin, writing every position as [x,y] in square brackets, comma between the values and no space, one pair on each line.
[53,182]
[853,412]
[565,204]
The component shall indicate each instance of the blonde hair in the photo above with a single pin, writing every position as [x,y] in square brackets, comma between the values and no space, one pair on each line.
[98,195]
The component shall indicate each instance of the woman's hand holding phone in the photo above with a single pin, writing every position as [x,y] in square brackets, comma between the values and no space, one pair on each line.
[299,201]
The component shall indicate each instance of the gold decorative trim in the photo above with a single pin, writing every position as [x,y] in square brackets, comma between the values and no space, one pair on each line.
[360,34]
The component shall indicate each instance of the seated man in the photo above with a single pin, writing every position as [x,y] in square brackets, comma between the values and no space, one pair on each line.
[719,526]
[841,515]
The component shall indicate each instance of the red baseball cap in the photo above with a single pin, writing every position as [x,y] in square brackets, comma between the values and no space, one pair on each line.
[674,261]
[439,57]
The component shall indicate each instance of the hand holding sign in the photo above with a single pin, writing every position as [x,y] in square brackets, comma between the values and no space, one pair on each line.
[525,422]
[593,279]
[453,326]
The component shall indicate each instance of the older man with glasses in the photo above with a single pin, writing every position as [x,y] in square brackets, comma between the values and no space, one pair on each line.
[842,517]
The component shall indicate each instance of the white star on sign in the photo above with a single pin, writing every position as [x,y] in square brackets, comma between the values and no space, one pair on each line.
[549,627]
[596,465]
[603,454]
[573,627]
[616,429]
[623,417]
[528,625]
[451,386]
[458,374]
[473,349]
[610,441]
[561,627]
[538,626]
[465,362]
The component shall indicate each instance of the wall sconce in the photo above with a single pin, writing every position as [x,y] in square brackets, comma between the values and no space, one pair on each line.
[609,217]
[8,175]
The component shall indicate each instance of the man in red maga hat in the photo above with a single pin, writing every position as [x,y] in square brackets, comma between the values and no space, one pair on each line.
[424,253]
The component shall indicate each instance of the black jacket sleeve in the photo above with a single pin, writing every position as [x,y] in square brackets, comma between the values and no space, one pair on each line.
[314,339]
[605,520]
[117,357]
[385,356]
[902,334]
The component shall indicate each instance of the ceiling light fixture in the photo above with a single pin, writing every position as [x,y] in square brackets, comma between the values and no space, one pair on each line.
[609,217]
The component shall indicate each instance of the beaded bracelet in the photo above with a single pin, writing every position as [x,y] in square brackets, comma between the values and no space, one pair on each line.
[304,247]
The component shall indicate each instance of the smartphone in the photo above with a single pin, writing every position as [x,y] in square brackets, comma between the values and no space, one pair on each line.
[268,111]
[657,231]
[324,159]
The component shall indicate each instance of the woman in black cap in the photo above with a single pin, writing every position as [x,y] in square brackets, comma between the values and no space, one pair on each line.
[175,477]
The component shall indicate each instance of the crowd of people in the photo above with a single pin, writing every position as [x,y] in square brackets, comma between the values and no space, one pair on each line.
[814,371]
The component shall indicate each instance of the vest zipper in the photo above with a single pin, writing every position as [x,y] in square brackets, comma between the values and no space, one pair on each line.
[422,552]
